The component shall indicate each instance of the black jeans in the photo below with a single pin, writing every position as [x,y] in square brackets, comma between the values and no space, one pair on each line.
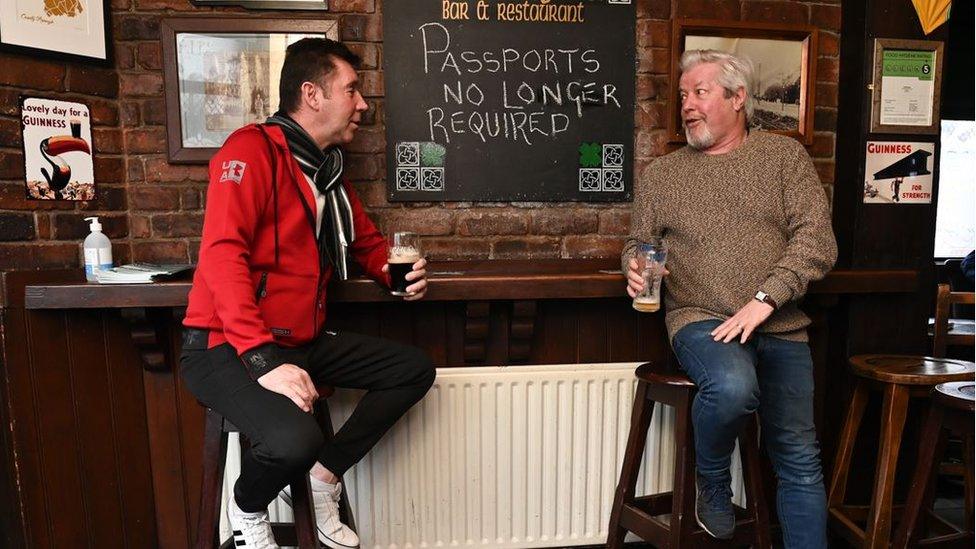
[285,441]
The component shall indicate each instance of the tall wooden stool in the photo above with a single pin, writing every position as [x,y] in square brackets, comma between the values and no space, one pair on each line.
[898,378]
[678,528]
[952,410]
[303,533]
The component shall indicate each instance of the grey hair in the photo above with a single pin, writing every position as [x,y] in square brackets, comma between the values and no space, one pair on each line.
[736,72]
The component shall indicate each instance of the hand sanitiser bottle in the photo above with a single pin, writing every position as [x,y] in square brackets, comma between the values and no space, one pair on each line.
[98,251]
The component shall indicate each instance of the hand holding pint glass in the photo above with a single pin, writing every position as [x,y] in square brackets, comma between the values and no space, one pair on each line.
[405,253]
[651,257]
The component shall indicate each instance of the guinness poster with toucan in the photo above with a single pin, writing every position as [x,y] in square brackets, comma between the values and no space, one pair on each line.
[57,149]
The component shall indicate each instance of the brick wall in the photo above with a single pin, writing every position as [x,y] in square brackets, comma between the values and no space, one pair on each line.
[154,211]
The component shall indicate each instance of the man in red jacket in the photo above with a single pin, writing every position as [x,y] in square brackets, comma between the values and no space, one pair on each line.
[280,221]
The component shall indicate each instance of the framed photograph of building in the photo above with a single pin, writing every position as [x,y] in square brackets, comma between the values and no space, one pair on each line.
[69,30]
[906,86]
[221,73]
[784,58]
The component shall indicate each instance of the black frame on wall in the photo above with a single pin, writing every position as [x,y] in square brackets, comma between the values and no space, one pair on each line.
[64,55]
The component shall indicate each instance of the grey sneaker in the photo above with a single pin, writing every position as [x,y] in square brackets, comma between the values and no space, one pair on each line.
[713,509]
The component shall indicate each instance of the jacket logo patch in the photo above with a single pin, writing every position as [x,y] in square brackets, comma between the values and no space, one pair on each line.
[281,332]
[233,171]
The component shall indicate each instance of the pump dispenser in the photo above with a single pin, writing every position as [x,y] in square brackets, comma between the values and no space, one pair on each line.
[98,251]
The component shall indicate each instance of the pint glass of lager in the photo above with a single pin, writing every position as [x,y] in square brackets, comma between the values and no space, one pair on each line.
[651,257]
[404,252]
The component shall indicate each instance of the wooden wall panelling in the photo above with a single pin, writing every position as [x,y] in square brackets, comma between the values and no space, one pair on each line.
[397,323]
[144,332]
[439,325]
[817,308]
[592,341]
[476,325]
[555,340]
[165,446]
[835,383]
[499,331]
[92,407]
[634,336]
[623,323]
[521,330]
[361,318]
[128,401]
[57,427]
[886,324]
[26,523]
[29,517]
[11,533]
[430,330]
[652,339]
[454,314]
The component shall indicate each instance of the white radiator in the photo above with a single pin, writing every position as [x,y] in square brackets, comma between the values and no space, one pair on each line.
[502,457]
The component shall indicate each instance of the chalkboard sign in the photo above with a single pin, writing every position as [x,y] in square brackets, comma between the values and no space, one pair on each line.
[509,101]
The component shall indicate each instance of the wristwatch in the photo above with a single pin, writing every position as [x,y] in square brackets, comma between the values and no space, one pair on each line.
[764,297]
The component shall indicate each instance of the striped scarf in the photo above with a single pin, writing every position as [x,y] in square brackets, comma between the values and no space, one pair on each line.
[324,168]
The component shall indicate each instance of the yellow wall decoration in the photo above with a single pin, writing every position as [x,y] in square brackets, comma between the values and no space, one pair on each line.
[932,13]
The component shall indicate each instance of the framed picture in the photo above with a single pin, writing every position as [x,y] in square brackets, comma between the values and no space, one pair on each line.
[906,86]
[784,57]
[57,143]
[267,4]
[69,30]
[221,73]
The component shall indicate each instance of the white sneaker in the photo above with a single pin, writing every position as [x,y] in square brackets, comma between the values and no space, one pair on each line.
[250,530]
[332,532]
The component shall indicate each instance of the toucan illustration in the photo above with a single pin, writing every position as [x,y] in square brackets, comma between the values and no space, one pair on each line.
[51,148]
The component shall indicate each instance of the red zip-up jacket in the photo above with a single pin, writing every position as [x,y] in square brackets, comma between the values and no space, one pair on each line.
[258,283]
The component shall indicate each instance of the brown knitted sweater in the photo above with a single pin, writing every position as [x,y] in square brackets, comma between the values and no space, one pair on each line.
[755,218]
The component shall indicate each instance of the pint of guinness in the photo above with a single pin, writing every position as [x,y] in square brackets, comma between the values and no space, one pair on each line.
[404,252]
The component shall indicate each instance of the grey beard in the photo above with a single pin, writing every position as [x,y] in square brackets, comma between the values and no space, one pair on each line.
[704,140]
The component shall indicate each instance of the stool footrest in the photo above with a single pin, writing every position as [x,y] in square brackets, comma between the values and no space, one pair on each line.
[962,540]
[655,504]
[860,512]
[660,504]
[939,523]
[645,525]
[656,528]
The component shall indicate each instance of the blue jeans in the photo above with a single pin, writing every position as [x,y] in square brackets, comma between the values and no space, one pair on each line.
[774,376]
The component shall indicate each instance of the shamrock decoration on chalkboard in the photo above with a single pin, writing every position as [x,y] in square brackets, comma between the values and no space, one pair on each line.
[432,154]
[590,156]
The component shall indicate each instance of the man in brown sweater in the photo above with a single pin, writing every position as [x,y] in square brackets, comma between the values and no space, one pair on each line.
[747,226]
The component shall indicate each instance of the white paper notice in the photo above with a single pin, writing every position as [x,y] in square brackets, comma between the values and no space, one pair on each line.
[907,88]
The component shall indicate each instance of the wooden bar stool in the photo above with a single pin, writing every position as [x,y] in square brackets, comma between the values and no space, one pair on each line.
[303,533]
[678,528]
[898,378]
[952,410]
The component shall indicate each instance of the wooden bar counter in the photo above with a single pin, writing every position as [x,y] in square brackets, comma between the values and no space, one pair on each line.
[101,442]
